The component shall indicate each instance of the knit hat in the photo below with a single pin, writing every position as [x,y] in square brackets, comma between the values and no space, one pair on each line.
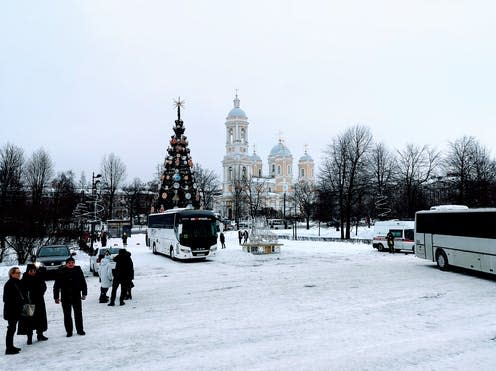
[69,259]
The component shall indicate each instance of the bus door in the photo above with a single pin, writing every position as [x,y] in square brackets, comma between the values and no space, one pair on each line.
[420,245]
[428,246]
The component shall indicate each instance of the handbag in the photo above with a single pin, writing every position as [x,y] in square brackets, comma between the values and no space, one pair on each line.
[28,310]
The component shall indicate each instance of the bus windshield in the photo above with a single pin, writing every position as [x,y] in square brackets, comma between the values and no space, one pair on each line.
[199,229]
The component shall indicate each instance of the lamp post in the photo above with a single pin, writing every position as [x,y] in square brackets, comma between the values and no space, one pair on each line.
[94,194]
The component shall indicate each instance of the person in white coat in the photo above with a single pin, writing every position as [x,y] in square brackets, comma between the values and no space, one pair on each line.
[106,277]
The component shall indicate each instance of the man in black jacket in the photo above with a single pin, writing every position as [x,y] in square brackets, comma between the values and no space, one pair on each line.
[72,284]
[123,275]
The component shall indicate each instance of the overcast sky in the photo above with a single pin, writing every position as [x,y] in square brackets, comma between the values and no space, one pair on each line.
[86,78]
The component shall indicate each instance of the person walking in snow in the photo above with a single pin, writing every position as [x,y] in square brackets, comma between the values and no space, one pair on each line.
[106,277]
[240,236]
[124,239]
[103,238]
[245,236]
[123,276]
[222,240]
[390,242]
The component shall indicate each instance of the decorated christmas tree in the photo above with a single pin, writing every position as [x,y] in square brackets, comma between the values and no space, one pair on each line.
[177,183]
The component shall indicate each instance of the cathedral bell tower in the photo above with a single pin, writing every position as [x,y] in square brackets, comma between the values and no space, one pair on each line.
[237,163]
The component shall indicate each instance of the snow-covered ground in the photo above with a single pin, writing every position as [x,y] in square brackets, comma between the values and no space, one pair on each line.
[316,305]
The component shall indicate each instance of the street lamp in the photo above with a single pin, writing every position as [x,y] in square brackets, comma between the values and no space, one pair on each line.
[94,194]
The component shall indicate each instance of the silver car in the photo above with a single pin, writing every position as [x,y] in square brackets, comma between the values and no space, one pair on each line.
[99,254]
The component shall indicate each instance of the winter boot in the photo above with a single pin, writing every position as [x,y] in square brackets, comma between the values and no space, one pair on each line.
[41,337]
[12,350]
[103,297]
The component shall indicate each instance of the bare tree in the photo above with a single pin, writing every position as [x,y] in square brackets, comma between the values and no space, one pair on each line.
[238,199]
[64,200]
[305,197]
[484,178]
[11,164]
[460,163]
[138,198]
[113,175]
[416,166]
[208,183]
[382,165]
[39,171]
[254,192]
[343,170]
[472,169]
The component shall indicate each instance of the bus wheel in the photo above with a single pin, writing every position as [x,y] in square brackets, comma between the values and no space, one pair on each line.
[380,247]
[154,249]
[442,260]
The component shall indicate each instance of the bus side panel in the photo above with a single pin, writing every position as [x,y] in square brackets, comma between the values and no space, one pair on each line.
[488,264]
[164,241]
[465,259]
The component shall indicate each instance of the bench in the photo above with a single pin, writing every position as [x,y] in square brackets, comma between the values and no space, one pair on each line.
[259,248]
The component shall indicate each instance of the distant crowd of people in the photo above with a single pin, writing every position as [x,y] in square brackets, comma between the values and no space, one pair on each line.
[20,295]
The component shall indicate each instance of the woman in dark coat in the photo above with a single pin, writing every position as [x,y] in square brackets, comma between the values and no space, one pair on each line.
[12,307]
[33,288]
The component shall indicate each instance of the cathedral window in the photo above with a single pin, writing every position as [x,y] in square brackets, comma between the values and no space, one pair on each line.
[231,135]
[279,170]
[289,170]
[302,172]
[230,174]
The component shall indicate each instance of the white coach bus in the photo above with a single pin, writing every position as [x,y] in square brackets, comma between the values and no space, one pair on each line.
[458,237]
[183,233]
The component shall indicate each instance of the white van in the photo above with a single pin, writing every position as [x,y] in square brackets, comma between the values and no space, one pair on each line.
[402,230]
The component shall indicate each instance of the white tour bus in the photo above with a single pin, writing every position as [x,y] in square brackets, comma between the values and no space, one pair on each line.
[183,233]
[402,231]
[457,236]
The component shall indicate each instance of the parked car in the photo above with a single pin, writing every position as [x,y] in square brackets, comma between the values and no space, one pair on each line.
[51,258]
[99,254]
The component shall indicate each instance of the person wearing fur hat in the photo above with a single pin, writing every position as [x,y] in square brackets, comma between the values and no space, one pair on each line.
[33,288]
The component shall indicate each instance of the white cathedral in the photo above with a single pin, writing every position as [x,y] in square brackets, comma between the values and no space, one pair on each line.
[239,165]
